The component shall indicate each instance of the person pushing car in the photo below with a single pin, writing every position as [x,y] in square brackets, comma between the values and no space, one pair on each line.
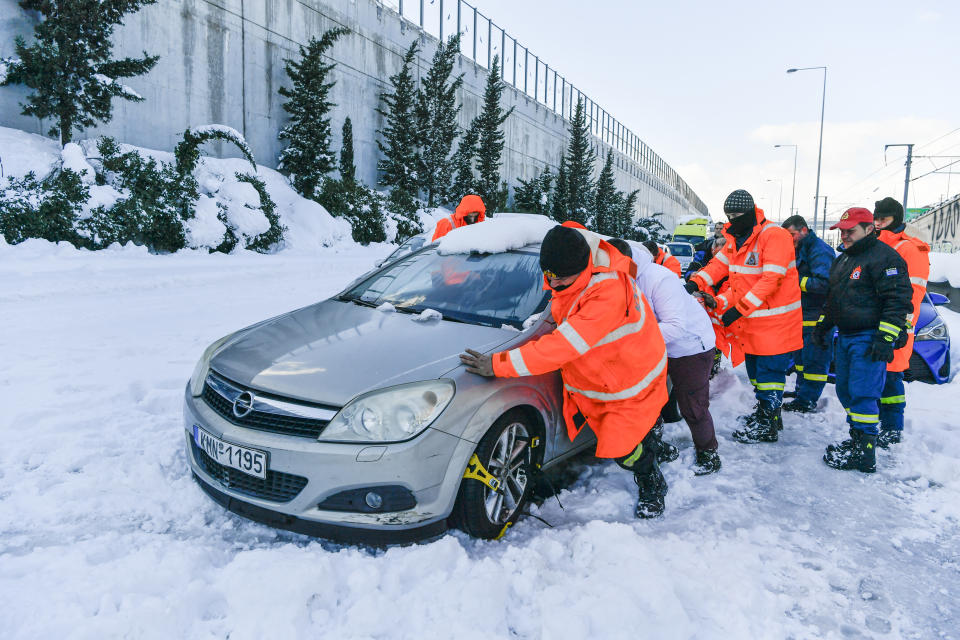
[600,316]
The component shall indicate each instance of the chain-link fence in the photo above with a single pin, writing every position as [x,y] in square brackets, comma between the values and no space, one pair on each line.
[481,39]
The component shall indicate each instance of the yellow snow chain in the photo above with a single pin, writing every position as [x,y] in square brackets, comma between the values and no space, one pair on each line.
[503,531]
[476,471]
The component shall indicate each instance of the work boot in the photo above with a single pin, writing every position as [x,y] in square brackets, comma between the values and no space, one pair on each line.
[750,419]
[765,429]
[888,437]
[861,456]
[800,406]
[651,490]
[666,452]
[708,461]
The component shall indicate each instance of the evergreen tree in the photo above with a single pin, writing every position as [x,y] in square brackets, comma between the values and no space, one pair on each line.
[437,111]
[464,181]
[649,229]
[580,158]
[308,157]
[558,205]
[533,196]
[348,169]
[623,218]
[490,142]
[69,64]
[398,168]
[607,201]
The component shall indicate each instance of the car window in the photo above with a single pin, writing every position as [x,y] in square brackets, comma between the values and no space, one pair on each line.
[678,249]
[690,239]
[408,247]
[492,289]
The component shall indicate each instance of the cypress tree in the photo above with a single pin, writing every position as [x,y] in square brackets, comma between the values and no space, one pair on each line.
[399,147]
[533,196]
[606,201]
[348,169]
[69,64]
[580,158]
[490,142]
[308,157]
[437,111]
[623,219]
[464,181]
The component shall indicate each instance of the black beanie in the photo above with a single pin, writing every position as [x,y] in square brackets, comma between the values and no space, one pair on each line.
[739,201]
[889,207]
[564,252]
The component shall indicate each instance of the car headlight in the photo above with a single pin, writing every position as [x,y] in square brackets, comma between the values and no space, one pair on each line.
[203,366]
[936,330]
[389,415]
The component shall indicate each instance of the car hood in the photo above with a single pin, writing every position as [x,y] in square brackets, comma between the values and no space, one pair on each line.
[333,351]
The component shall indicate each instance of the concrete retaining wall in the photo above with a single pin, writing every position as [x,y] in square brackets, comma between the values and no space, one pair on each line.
[222,62]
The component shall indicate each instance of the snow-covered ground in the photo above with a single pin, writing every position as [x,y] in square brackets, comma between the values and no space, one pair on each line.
[103,534]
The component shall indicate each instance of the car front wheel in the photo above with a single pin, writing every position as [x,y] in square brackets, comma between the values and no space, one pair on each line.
[505,453]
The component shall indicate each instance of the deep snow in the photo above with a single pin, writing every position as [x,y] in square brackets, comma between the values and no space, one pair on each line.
[103,533]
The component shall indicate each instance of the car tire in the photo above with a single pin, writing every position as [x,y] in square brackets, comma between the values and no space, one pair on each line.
[481,512]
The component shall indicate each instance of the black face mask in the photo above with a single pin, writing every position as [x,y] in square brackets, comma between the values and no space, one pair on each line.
[561,287]
[742,224]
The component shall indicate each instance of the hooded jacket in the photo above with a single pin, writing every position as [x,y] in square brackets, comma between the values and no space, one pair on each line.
[468,204]
[764,288]
[609,351]
[916,253]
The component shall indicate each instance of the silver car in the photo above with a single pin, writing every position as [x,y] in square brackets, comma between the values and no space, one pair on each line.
[353,419]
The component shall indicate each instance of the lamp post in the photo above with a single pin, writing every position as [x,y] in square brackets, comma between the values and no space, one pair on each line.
[780,201]
[823,104]
[793,190]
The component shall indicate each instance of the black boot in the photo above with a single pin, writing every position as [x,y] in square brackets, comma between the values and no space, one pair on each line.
[651,485]
[666,452]
[843,445]
[715,369]
[750,419]
[800,406]
[765,429]
[708,461]
[888,437]
[862,456]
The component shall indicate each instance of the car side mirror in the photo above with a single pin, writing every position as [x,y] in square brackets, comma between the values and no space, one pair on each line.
[938,299]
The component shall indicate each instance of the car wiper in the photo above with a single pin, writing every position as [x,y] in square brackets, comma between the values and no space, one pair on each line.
[362,303]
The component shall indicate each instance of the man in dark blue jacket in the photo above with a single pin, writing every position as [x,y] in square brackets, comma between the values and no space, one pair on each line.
[814,258]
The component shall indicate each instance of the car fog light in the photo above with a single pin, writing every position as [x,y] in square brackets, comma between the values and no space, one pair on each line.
[374,500]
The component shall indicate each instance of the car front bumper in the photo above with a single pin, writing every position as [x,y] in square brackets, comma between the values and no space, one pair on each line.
[429,467]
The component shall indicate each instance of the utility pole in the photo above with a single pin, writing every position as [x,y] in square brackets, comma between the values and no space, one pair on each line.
[823,230]
[906,180]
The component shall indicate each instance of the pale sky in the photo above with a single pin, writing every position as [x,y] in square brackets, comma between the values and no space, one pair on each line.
[704,83]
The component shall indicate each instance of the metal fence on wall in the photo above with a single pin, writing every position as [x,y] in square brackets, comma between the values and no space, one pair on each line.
[481,40]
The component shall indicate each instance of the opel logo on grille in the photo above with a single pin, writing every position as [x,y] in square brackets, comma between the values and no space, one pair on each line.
[243,405]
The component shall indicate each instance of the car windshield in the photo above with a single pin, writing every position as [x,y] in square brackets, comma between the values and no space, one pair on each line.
[489,289]
[679,249]
[690,239]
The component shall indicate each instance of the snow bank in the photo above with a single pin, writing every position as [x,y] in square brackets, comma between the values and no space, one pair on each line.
[22,152]
[500,233]
[945,267]
[74,159]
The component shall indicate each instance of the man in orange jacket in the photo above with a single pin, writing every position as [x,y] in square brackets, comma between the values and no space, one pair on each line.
[663,258]
[470,211]
[888,216]
[762,306]
[600,316]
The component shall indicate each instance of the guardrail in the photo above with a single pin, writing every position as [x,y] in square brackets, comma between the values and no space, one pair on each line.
[481,40]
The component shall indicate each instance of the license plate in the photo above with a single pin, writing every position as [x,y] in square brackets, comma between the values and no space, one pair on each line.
[250,461]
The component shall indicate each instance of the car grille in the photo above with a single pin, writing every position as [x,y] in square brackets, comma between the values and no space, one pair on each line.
[276,487]
[263,420]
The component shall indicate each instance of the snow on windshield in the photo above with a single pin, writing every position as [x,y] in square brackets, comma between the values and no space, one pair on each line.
[499,234]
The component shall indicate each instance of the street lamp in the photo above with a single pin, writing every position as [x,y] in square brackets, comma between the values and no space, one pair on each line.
[793,191]
[780,201]
[823,104]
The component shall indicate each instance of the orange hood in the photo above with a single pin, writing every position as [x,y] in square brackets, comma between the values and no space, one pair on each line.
[469,204]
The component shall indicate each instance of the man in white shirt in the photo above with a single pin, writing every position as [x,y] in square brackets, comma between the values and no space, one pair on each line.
[690,340]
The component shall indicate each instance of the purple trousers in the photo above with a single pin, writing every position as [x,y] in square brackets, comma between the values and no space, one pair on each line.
[690,376]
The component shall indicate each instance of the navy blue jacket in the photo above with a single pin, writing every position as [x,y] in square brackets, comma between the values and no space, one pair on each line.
[814,259]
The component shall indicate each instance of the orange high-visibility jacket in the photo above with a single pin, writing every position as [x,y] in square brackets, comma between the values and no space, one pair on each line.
[726,340]
[764,287]
[916,253]
[609,351]
[468,204]
[670,262]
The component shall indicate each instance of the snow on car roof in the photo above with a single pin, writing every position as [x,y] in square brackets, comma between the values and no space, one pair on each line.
[498,234]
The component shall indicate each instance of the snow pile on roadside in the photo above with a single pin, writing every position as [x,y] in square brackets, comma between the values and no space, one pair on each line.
[22,152]
[945,267]
[497,234]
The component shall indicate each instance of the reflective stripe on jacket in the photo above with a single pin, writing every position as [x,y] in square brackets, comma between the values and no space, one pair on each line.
[916,253]
[608,349]
[670,262]
[764,287]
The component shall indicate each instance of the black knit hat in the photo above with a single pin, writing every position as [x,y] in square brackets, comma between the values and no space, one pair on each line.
[564,252]
[739,201]
[889,207]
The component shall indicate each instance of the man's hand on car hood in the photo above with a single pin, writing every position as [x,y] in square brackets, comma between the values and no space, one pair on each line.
[478,363]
